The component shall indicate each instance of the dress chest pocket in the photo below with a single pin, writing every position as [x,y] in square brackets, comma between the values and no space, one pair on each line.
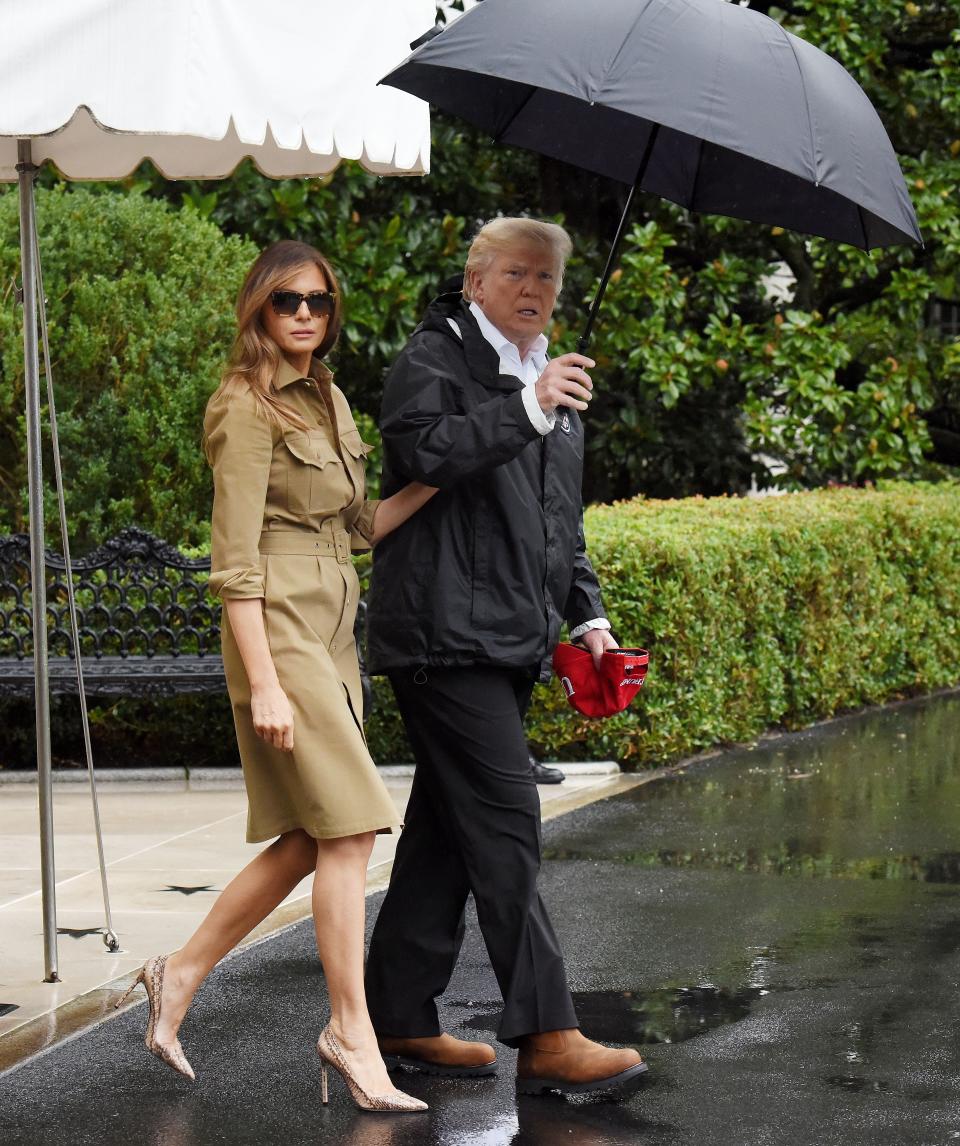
[354,445]
[308,453]
[355,451]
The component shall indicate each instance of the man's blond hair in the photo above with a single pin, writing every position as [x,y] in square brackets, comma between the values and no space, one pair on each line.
[500,235]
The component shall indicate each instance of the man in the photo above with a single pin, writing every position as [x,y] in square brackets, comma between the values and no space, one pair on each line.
[465,609]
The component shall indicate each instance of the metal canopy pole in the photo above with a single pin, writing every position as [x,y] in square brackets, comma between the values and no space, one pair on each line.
[26,171]
[110,939]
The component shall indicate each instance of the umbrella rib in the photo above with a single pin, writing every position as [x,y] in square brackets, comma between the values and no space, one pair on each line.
[513,118]
[806,104]
[623,43]
[696,177]
[863,227]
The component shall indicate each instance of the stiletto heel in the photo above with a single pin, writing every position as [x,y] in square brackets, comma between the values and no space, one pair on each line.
[331,1054]
[129,991]
[324,1093]
[151,976]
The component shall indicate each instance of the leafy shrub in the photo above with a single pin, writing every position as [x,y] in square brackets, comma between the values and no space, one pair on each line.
[140,303]
[769,612]
[758,613]
[126,732]
[775,612]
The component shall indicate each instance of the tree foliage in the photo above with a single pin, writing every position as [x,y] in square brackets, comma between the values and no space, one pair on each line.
[393,240]
[705,378]
[140,306]
[844,379]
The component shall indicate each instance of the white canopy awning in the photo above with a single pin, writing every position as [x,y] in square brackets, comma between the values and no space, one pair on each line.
[198,85]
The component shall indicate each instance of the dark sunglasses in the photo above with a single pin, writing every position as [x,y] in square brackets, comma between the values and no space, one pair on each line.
[286,303]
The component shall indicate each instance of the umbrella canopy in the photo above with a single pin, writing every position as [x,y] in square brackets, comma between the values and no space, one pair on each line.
[704,103]
[198,85]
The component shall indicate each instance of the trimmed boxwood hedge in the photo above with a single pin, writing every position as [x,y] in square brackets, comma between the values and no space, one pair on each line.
[758,613]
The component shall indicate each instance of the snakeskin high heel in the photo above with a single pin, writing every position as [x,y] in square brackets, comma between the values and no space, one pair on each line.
[151,976]
[331,1054]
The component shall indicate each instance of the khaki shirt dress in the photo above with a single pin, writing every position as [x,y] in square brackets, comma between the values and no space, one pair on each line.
[289,508]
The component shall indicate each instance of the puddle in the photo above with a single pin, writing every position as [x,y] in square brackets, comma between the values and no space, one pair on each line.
[856,1084]
[940,868]
[663,1015]
[869,798]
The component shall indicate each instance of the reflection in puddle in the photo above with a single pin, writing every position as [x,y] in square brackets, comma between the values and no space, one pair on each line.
[870,798]
[944,867]
[856,1084]
[500,1130]
[586,1121]
[663,1015]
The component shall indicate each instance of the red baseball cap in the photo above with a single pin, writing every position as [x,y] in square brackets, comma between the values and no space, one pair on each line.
[607,690]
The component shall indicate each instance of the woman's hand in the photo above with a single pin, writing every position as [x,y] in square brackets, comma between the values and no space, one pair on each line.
[272,716]
[269,707]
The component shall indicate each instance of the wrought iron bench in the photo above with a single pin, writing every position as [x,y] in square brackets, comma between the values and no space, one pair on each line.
[148,626]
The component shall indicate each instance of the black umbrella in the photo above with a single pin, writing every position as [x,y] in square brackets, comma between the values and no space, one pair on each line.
[705,103]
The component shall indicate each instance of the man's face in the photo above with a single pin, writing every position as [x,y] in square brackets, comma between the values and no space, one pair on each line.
[518,292]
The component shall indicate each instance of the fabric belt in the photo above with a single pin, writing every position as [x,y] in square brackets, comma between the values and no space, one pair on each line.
[324,543]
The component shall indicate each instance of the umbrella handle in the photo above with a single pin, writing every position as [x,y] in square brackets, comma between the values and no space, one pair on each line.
[584,340]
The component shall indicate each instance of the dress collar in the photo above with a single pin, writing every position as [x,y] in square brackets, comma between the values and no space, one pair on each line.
[287,373]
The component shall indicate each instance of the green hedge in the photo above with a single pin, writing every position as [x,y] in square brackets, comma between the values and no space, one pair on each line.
[759,613]
[774,612]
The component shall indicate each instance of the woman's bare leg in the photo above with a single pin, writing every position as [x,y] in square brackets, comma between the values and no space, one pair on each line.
[339,906]
[246,901]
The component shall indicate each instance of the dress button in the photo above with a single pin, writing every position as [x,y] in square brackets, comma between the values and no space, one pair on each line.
[333,647]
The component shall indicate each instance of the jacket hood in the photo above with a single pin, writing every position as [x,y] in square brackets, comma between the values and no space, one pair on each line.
[445,306]
[482,360]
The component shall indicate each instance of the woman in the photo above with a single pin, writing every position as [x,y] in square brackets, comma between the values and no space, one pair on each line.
[289,507]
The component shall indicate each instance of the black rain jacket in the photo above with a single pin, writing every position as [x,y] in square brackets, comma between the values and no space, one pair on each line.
[488,570]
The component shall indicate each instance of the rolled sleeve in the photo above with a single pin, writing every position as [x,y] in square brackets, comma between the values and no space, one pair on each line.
[361,532]
[239,448]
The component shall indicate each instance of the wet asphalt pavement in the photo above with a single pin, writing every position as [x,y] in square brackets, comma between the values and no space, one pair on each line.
[777,930]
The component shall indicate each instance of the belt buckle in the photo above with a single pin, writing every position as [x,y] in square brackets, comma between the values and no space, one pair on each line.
[341,543]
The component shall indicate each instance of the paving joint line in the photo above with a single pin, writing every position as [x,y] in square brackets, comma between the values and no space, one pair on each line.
[42,1034]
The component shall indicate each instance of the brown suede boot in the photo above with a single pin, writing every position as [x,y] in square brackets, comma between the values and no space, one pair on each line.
[440,1054]
[572,1064]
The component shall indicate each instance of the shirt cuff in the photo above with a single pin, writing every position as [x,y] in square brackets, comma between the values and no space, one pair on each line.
[237,583]
[361,532]
[597,623]
[542,423]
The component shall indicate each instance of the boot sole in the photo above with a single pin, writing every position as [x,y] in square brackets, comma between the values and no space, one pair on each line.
[395,1061]
[543,1085]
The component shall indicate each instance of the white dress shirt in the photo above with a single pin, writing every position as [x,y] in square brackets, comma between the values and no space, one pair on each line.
[528,369]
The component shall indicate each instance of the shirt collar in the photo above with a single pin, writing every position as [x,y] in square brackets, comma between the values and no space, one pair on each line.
[287,373]
[500,343]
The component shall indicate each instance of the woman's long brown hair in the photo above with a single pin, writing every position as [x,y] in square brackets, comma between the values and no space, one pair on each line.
[255,358]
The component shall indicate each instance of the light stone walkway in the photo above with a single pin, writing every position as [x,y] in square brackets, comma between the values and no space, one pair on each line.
[170,845]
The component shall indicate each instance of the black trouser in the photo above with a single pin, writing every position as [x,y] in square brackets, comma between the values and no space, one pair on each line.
[472,825]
